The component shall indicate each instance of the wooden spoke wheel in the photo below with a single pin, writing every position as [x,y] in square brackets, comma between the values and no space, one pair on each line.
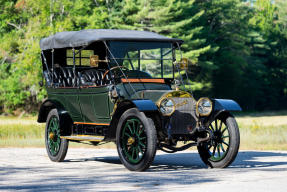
[136,140]
[56,147]
[223,147]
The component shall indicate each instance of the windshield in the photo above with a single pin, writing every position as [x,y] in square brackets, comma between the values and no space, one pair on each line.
[143,59]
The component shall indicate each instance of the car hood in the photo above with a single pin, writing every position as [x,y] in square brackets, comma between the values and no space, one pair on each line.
[157,95]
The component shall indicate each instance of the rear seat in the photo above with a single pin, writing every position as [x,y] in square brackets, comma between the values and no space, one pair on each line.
[68,78]
[64,77]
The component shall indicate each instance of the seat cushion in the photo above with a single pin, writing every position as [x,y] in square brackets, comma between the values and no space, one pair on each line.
[94,77]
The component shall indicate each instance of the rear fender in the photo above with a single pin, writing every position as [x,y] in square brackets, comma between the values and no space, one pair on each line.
[46,107]
[65,119]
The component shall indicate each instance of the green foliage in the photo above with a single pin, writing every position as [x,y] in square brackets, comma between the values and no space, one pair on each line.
[245,68]
[240,48]
[31,20]
[173,18]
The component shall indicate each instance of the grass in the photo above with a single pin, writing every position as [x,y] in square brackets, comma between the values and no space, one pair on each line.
[263,131]
[258,131]
[26,132]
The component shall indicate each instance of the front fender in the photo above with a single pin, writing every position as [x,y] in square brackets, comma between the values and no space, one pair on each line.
[145,105]
[226,105]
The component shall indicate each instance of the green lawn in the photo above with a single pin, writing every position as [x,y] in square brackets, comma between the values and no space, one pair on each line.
[261,131]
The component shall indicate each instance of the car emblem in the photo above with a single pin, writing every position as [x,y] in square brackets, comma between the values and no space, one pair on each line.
[181,104]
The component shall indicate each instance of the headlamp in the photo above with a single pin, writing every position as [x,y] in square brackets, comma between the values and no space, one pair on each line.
[167,106]
[204,106]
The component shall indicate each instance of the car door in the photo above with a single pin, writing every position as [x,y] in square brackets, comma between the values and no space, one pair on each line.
[69,98]
[66,92]
[94,102]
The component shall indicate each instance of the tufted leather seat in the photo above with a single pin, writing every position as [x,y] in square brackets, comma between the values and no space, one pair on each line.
[47,78]
[58,78]
[69,78]
[94,77]
[64,77]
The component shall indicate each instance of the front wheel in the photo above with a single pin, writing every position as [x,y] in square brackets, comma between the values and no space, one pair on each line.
[222,149]
[55,146]
[136,140]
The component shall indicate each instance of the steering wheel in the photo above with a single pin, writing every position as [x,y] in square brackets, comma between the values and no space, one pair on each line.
[114,68]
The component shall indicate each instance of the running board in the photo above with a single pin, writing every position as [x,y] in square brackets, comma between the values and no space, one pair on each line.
[84,137]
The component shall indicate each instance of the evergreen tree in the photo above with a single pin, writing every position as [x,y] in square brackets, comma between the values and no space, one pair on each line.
[240,46]
[271,21]
[228,32]
[173,18]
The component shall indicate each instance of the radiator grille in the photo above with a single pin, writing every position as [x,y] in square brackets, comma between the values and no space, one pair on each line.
[184,117]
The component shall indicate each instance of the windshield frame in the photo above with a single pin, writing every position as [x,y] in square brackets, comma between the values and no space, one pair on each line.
[113,60]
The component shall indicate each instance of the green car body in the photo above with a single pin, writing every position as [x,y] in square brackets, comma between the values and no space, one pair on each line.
[105,84]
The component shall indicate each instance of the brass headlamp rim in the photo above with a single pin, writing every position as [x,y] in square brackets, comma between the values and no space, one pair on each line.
[197,103]
[172,94]
[173,107]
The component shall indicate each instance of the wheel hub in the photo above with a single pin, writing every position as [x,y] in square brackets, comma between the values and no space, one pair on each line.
[217,137]
[219,143]
[51,136]
[131,140]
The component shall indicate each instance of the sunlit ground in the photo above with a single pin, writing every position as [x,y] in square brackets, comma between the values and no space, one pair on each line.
[260,131]
[266,131]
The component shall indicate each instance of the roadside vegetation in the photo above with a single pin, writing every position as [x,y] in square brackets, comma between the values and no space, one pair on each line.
[259,131]
[263,131]
[238,48]
[235,44]
[26,132]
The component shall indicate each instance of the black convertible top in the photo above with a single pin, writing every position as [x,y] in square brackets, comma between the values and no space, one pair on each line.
[86,37]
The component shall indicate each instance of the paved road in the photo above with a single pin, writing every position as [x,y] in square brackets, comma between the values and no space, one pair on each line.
[86,169]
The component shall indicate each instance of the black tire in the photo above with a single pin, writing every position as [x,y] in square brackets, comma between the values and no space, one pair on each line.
[56,147]
[207,151]
[95,143]
[143,140]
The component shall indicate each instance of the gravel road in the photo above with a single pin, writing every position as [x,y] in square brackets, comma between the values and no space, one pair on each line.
[88,169]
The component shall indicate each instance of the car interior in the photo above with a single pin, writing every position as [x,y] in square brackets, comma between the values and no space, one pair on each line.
[86,74]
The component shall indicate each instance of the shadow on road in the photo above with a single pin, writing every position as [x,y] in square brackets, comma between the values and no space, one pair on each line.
[253,159]
[179,169]
[176,161]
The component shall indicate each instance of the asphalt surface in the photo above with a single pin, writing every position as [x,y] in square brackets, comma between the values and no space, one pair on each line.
[92,169]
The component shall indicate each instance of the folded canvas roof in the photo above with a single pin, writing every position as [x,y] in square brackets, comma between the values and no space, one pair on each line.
[86,37]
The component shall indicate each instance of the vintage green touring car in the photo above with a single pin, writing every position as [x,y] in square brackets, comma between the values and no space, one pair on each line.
[127,87]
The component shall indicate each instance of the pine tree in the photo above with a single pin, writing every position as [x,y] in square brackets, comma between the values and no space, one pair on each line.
[173,18]
[227,31]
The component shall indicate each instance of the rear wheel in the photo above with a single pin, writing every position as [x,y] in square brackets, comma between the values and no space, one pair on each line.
[221,151]
[95,143]
[56,147]
[136,140]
